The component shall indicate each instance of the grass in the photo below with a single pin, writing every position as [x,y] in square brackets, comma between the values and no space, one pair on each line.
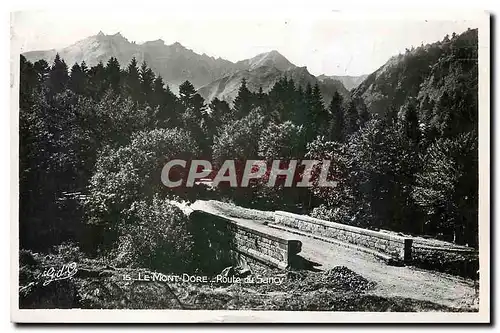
[100,286]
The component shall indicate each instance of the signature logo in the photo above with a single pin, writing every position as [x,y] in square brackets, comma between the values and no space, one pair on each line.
[54,273]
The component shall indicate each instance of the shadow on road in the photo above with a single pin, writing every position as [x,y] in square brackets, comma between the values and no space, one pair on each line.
[301,263]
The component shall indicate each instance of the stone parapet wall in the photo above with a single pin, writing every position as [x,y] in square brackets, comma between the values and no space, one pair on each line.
[269,249]
[457,261]
[395,246]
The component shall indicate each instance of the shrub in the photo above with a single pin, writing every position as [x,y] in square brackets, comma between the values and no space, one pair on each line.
[130,173]
[447,188]
[239,140]
[282,141]
[155,236]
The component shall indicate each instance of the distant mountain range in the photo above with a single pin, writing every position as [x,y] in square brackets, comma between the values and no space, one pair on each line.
[263,71]
[349,82]
[174,63]
[213,77]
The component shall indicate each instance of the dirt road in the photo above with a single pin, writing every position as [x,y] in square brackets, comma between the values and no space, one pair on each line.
[392,281]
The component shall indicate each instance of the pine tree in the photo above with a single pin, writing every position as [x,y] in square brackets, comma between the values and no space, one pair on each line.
[28,83]
[84,67]
[337,118]
[186,92]
[260,97]
[288,100]
[96,79]
[308,96]
[147,78]
[159,92]
[301,107]
[220,112]
[262,101]
[351,118]
[77,79]
[309,115]
[113,74]
[58,75]
[319,115]
[363,114]
[133,81]
[173,106]
[42,68]
[193,114]
[159,99]
[410,124]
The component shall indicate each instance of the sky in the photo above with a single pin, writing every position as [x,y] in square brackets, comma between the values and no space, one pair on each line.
[327,42]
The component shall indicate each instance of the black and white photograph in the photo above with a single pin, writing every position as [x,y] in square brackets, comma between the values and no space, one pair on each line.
[283,167]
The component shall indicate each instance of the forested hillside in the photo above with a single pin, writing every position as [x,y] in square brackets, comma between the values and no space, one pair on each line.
[435,87]
[93,141]
[442,73]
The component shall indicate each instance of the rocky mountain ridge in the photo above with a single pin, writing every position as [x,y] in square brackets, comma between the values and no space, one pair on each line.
[214,77]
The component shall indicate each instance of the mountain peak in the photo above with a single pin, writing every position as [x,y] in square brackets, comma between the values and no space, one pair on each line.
[157,42]
[270,59]
[177,44]
[178,47]
[274,53]
[117,37]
